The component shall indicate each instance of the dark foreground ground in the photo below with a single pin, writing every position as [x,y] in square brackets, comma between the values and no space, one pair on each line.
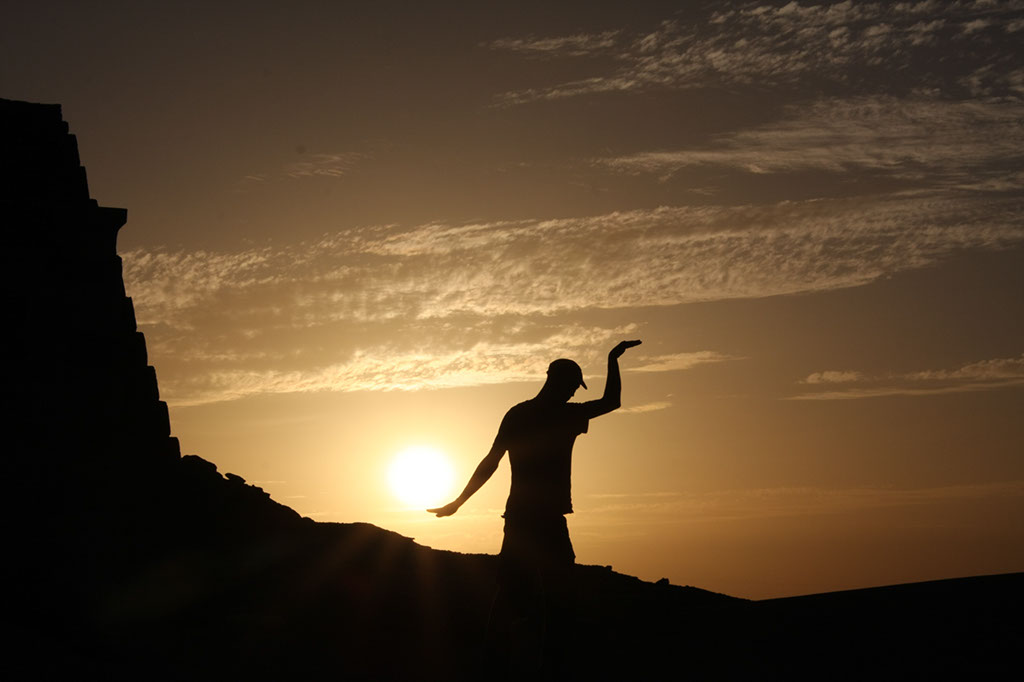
[226,584]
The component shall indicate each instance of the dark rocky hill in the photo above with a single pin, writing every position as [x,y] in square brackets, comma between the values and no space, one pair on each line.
[126,560]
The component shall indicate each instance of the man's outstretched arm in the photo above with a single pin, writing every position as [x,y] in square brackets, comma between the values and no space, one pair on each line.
[612,398]
[488,465]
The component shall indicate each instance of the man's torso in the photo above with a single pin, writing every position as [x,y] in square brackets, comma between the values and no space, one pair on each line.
[539,438]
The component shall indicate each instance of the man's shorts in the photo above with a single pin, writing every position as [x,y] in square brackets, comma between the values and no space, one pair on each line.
[535,546]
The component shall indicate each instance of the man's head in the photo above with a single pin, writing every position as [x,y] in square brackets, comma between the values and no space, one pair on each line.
[564,377]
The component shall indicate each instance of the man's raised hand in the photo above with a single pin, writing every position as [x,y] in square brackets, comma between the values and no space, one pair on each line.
[621,348]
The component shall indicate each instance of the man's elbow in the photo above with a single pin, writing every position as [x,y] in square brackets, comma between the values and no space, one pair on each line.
[489,464]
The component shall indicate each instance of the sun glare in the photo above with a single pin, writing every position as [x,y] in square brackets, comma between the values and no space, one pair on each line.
[421,476]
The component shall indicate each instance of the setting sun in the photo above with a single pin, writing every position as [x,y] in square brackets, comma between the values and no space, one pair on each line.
[421,476]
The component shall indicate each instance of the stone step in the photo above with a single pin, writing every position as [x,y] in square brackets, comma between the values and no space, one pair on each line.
[59,227]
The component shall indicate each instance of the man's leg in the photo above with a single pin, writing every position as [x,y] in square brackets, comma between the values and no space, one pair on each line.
[515,630]
[558,592]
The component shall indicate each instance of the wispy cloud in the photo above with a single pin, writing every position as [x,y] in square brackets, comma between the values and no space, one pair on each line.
[645,407]
[311,165]
[988,82]
[369,308]
[832,377]
[326,165]
[976,376]
[770,44]
[680,361]
[944,142]
[395,368]
[656,257]
[577,45]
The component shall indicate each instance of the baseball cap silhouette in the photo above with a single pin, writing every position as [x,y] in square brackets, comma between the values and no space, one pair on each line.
[567,369]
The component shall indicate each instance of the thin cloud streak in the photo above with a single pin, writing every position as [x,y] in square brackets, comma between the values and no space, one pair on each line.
[578,45]
[392,369]
[889,391]
[832,377]
[324,165]
[985,375]
[942,142]
[680,361]
[765,44]
[310,165]
[646,407]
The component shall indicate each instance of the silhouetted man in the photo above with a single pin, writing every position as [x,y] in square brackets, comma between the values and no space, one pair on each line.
[536,554]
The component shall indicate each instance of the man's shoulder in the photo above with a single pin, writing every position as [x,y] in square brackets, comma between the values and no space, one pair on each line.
[518,413]
[540,409]
[520,408]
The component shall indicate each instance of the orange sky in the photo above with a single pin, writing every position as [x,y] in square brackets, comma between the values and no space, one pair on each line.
[354,229]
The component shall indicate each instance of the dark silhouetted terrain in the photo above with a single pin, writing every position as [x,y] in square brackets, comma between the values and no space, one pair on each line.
[127,560]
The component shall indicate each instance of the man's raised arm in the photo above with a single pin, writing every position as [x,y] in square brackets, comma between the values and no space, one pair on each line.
[612,398]
[488,465]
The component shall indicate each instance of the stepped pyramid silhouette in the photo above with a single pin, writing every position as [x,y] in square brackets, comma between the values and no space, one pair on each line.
[126,560]
[102,497]
[81,358]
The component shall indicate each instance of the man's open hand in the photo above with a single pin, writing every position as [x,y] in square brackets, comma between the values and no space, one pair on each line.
[621,348]
[446,510]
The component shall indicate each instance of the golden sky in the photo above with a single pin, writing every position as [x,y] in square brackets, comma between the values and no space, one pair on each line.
[359,227]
